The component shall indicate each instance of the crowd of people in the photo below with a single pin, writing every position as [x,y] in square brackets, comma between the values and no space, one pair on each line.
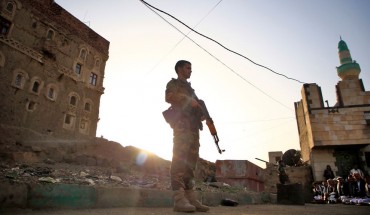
[354,189]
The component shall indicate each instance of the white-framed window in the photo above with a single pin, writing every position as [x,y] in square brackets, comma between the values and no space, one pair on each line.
[84,126]
[87,106]
[10,7]
[19,78]
[93,79]
[73,99]
[31,106]
[83,54]
[78,69]
[51,92]
[36,85]
[69,121]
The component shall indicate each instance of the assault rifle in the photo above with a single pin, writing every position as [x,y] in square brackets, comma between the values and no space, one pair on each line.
[210,124]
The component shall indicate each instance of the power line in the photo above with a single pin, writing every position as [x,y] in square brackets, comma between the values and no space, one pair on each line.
[240,76]
[260,65]
[173,48]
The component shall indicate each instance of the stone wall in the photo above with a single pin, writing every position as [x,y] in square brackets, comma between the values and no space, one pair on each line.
[40,88]
[300,175]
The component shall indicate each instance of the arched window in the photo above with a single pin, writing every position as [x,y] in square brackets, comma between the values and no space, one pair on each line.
[19,78]
[83,54]
[69,121]
[31,106]
[36,85]
[10,7]
[51,92]
[87,106]
[73,101]
[84,126]
[50,34]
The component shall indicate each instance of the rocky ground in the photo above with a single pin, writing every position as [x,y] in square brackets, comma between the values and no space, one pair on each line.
[98,163]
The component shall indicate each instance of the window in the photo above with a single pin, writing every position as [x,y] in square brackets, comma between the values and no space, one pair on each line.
[35,87]
[93,79]
[87,106]
[78,69]
[10,7]
[4,26]
[51,93]
[50,34]
[69,121]
[84,126]
[18,80]
[31,106]
[83,54]
[73,101]
[97,63]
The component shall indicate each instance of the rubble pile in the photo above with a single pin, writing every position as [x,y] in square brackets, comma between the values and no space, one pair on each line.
[100,163]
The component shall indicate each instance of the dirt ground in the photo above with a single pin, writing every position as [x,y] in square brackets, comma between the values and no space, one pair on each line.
[269,209]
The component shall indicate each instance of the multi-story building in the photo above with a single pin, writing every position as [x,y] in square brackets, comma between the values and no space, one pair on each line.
[338,136]
[51,72]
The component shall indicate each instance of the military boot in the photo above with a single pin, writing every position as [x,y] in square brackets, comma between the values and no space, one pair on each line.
[191,196]
[181,204]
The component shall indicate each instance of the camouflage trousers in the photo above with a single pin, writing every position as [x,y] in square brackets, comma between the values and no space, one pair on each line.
[184,158]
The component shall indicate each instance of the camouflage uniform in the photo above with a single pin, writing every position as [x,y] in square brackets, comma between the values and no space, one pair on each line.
[185,134]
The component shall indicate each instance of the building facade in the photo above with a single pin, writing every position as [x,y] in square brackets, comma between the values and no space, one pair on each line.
[338,136]
[51,72]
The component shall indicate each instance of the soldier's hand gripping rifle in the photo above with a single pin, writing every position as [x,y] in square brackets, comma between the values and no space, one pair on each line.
[210,124]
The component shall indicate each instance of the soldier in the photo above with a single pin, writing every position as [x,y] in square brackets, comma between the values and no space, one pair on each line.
[283,177]
[186,122]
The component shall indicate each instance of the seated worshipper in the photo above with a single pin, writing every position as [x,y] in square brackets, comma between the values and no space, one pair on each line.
[367,185]
[351,185]
[356,170]
[318,192]
[325,190]
[332,191]
[342,187]
[328,173]
[359,190]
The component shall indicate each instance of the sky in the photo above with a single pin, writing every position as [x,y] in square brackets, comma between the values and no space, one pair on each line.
[252,107]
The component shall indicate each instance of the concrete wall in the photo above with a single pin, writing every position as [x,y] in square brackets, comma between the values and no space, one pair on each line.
[240,173]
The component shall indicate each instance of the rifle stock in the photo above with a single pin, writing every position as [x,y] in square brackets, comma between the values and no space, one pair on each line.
[210,124]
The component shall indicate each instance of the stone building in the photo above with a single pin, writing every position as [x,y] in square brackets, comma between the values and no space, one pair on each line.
[338,136]
[51,73]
